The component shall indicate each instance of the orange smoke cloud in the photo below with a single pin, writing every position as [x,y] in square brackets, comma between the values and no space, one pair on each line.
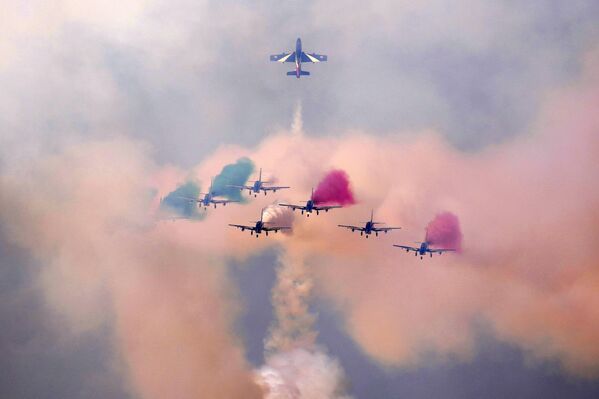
[83,213]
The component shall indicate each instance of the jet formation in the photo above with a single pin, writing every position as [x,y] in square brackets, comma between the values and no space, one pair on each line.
[261,226]
[299,56]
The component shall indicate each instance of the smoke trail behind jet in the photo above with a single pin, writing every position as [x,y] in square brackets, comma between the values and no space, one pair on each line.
[174,203]
[235,174]
[278,216]
[334,188]
[296,367]
[444,231]
[302,374]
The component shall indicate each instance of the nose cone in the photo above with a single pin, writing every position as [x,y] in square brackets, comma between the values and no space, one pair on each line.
[298,41]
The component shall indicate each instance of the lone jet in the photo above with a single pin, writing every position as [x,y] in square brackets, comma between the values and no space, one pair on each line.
[259,186]
[424,249]
[298,56]
[259,227]
[370,227]
[310,206]
[209,198]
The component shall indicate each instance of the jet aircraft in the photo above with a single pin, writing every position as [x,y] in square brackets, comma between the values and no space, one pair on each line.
[298,56]
[370,227]
[260,226]
[423,249]
[259,186]
[310,206]
[209,198]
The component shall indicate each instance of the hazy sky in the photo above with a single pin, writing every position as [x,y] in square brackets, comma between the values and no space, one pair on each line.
[158,89]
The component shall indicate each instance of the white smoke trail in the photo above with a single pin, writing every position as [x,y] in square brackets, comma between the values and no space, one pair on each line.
[276,215]
[302,374]
[297,126]
[296,367]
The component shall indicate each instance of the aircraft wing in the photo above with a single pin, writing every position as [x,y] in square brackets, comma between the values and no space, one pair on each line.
[239,187]
[190,199]
[313,57]
[351,227]
[222,201]
[173,218]
[326,207]
[283,57]
[266,228]
[385,229]
[272,188]
[293,206]
[242,227]
[441,250]
[406,248]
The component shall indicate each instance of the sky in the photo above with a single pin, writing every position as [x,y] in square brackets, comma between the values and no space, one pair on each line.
[485,110]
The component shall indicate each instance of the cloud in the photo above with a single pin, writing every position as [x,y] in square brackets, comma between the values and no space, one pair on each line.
[84,214]
[476,70]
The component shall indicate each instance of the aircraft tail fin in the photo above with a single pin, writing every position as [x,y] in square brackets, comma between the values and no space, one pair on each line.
[302,73]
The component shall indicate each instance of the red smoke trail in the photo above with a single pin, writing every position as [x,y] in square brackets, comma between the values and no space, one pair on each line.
[444,232]
[334,189]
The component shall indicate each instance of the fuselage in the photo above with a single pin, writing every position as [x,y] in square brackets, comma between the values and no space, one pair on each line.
[368,227]
[258,227]
[423,248]
[310,206]
[207,199]
[257,186]
[298,58]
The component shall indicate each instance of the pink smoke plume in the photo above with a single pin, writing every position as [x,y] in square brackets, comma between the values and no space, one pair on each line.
[444,231]
[334,188]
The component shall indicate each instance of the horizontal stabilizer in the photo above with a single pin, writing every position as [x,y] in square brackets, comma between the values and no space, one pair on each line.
[302,73]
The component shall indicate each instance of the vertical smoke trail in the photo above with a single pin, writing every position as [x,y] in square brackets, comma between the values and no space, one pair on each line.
[297,126]
[294,324]
[296,367]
